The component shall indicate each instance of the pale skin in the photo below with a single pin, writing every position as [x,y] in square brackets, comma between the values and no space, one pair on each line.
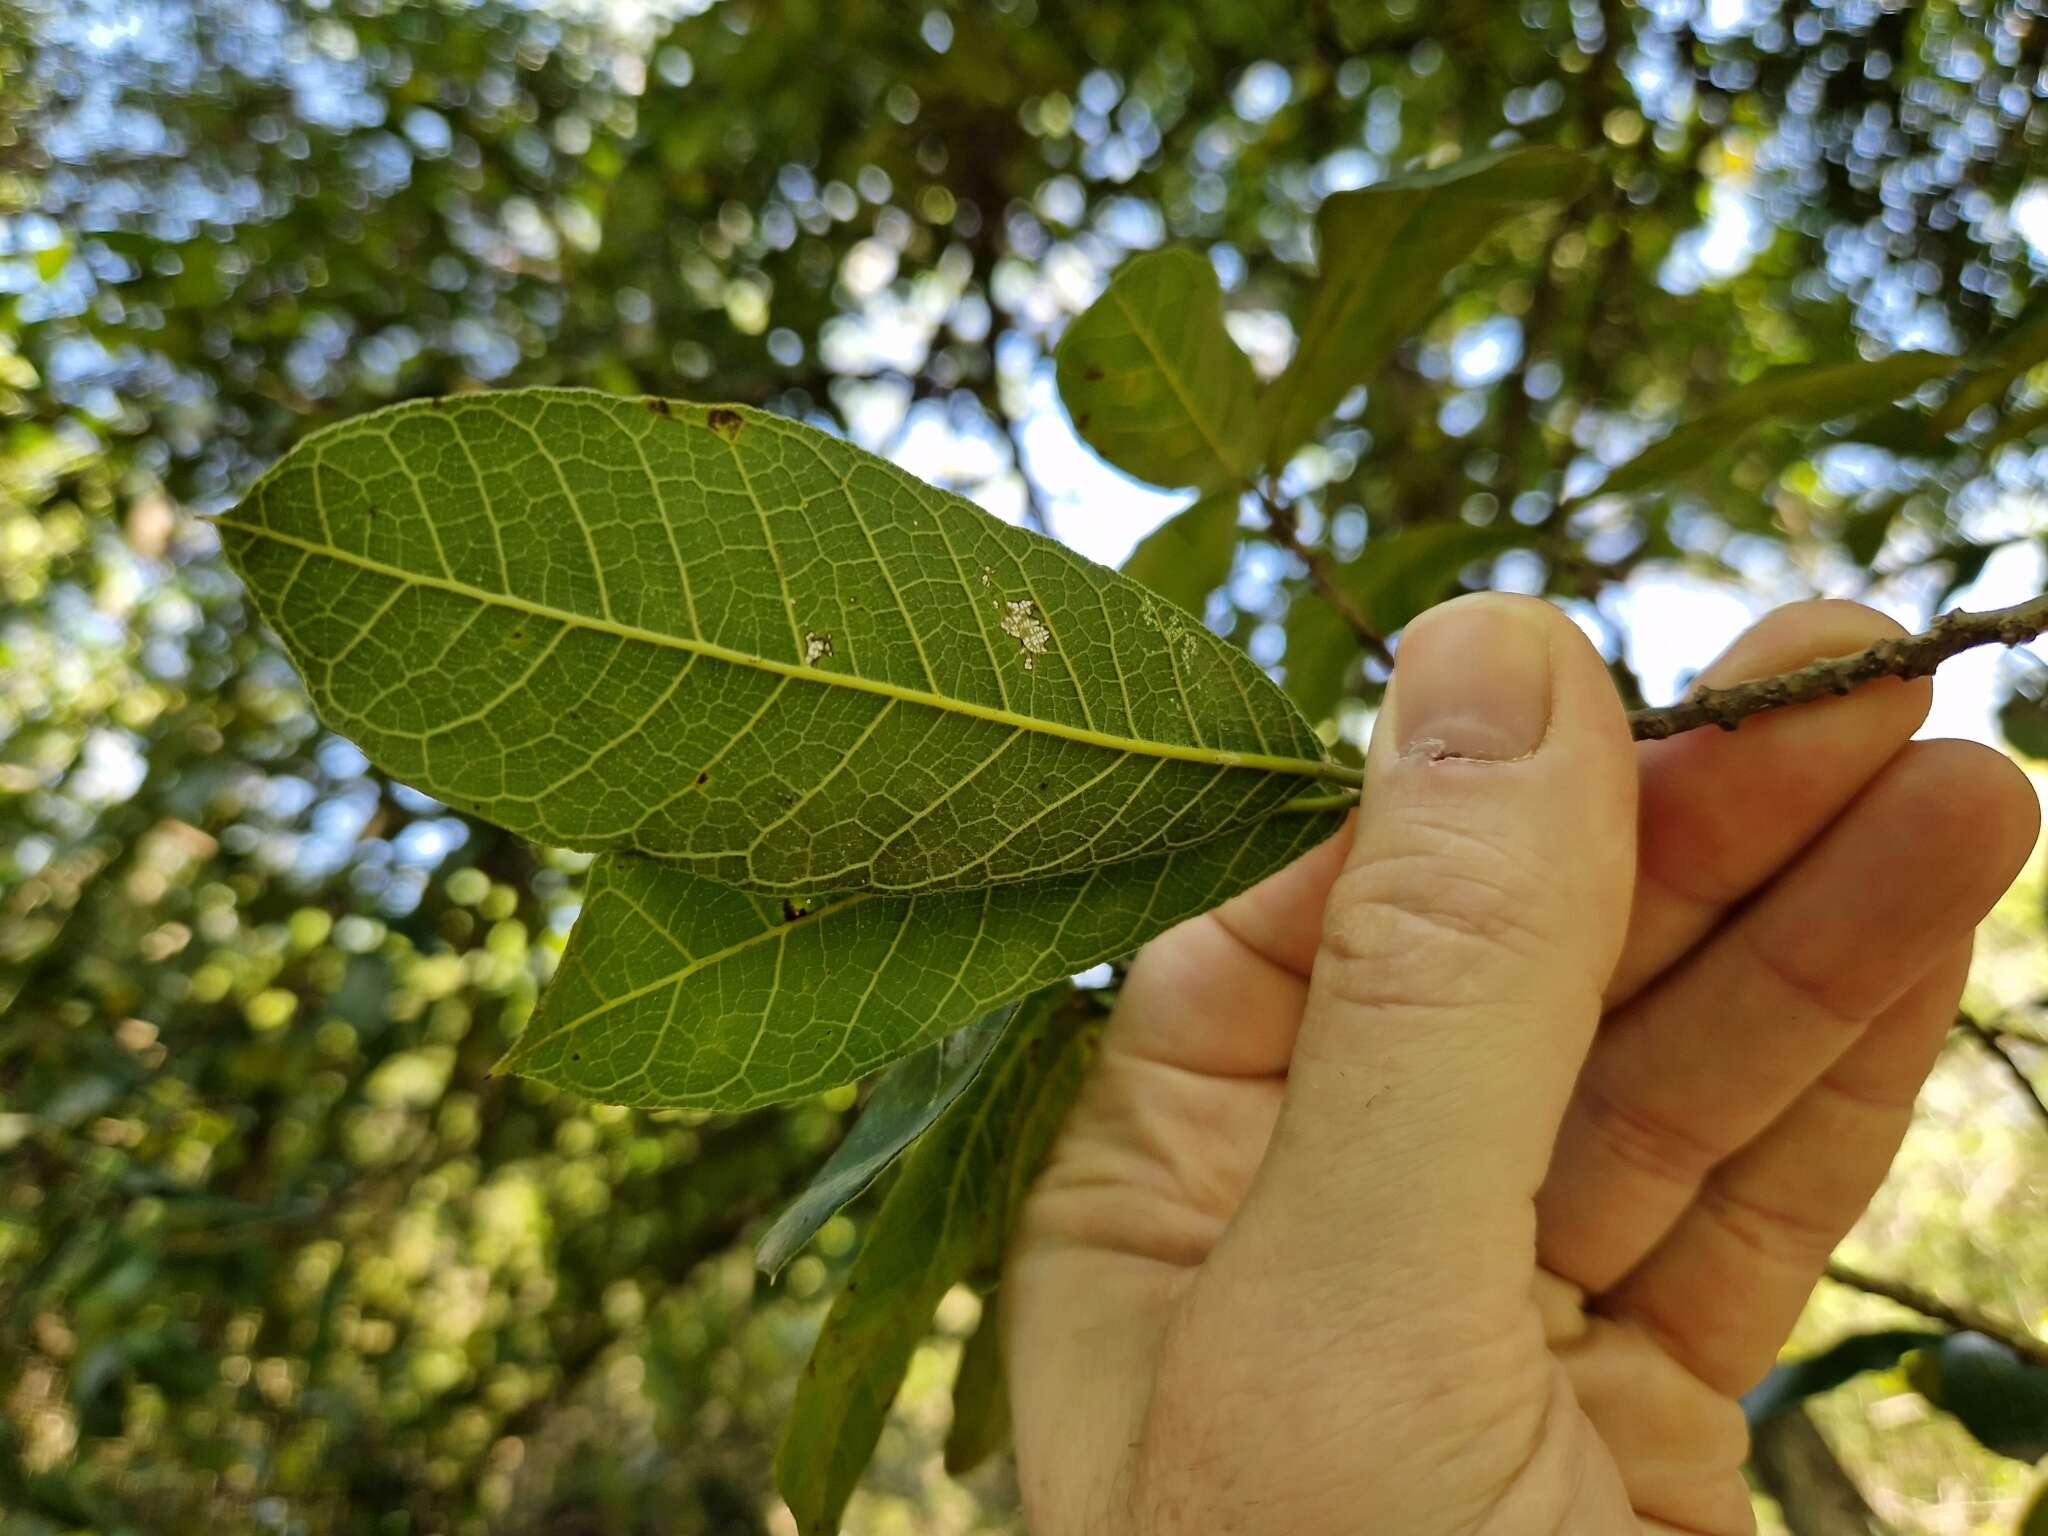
[1457,1180]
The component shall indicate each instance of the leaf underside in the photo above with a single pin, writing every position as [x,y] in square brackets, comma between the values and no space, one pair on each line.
[1153,381]
[675,991]
[731,642]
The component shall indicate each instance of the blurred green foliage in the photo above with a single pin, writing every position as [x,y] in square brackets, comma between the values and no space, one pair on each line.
[275,1253]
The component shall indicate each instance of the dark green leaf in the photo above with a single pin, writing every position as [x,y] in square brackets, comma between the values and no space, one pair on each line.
[1384,252]
[1153,381]
[1189,555]
[902,1107]
[2023,721]
[981,1396]
[1998,1395]
[1793,1381]
[945,1218]
[1803,396]
[734,643]
[675,991]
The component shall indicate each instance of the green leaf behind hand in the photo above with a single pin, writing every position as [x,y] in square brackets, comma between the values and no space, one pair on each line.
[947,1217]
[916,1092]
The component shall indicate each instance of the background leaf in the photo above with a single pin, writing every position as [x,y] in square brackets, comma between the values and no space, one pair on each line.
[946,1216]
[1791,1382]
[1189,555]
[1808,395]
[675,991]
[915,1092]
[735,643]
[981,1396]
[1384,251]
[1153,381]
[1998,1396]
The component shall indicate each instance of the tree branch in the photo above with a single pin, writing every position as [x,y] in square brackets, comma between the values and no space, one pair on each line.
[1280,522]
[1988,1039]
[1963,1319]
[1907,657]
[1801,1474]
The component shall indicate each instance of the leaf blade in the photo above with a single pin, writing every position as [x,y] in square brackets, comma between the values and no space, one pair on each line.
[706,635]
[674,991]
[1809,395]
[1153,381]
[903,1106]
[935,1228]
[1384,251]
[1188,556]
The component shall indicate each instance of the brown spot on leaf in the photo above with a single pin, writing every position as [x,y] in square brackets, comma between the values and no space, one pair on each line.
[725,421]
[1091,374]
[791,911]
[704,778]
[657,405]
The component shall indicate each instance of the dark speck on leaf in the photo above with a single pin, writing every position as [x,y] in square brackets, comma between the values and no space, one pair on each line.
[791,911]
[726,423]
[1091,374]
[1081,422]
[657,405]
[575,1055]
[704,778]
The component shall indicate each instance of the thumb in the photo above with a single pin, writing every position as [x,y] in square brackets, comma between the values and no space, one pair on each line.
[1465,945]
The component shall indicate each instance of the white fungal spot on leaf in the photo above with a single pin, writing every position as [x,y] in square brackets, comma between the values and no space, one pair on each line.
[1022,624]
[816,647]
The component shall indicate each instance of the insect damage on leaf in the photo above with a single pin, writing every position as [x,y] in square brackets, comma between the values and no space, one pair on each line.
[725,422]
[1173,630]
[1022,624]
[816,647]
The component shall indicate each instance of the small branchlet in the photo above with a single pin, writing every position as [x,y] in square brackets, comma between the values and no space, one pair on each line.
[1908,656]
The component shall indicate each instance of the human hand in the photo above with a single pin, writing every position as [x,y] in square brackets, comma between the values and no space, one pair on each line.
[1457,1179]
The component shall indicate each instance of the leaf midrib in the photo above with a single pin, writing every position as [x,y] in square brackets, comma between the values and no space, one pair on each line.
[1209,438]
[797,671]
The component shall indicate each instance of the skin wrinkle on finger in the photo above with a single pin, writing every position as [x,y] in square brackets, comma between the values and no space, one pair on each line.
[1699,1064]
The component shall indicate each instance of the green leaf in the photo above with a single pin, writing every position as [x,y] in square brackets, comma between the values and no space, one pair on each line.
[2023,721]
[1999,1396]
[946,1217]
[734,643]
[1153,381]
[1808,395]
[902,1107]
[1384,252]
[676,991]
[1189,555]
[1793,1381]
[1395,578]
[981,1396]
